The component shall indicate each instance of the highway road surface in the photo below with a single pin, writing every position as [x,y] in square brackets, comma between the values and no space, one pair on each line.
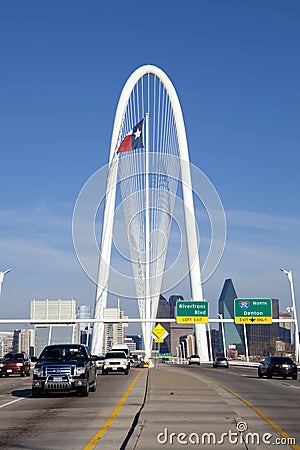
[141,410]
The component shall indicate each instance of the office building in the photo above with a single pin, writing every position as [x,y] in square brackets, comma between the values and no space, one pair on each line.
[262,338]
[286,330]
[131,344]
[113,330]
[26,341]
[181,332]
[137,339]
[163,312]
[6,342]
[23,341]
[172,302]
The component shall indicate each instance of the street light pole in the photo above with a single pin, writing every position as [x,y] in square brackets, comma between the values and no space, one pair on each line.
[2,274]
[290,278]
[246,343]
[223,334]
[210,343]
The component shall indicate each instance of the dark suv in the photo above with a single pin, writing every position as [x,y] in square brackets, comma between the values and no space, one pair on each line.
[64,368]
[282,366]
[15,363]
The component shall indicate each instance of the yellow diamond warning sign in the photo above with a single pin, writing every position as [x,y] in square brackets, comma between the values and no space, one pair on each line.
[159,332]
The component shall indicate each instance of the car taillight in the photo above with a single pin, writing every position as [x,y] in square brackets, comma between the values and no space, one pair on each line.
[275,365]
[293,365]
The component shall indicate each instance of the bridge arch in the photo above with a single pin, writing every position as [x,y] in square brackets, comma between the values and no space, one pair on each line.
[128,112]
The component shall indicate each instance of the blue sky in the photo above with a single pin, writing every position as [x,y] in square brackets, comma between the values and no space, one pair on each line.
[236,68]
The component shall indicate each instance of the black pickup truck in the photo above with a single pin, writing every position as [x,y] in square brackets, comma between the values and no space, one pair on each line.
[64,368]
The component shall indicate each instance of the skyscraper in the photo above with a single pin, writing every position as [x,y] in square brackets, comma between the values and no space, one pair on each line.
[262,338]
[172,302]
[163,312]
[233,332]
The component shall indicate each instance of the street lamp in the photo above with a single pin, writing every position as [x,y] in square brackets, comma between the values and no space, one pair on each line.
[210,343]
[223,334]
[246,343]
[290,278]
[2,274]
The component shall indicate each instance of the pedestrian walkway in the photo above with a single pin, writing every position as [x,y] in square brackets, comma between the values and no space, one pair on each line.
[185,410]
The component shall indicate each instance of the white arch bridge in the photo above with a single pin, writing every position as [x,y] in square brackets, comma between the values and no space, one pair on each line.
[148,156]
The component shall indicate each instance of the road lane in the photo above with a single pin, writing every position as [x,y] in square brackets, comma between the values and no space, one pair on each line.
[70,422]
[278,399]
[66,421]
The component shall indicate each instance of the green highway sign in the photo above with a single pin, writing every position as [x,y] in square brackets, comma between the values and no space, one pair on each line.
[191,311]
[253,310]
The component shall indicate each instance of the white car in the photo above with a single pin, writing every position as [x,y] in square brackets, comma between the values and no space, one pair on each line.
[115,361]
[194,359]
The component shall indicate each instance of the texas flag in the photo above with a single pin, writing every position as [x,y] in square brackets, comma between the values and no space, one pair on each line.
[132,140]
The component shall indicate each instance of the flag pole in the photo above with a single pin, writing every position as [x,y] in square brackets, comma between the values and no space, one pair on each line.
[147,242]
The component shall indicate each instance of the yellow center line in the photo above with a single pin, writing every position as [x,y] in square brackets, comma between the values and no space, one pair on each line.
[256,410]
[112,417]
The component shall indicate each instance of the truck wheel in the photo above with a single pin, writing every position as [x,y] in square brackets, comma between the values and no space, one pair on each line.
[94,386]
[126,371]
[85,390]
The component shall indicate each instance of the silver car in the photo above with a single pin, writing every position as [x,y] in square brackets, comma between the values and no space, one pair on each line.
[220,361]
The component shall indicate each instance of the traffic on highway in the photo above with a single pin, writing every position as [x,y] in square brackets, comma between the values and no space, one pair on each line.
[143,409]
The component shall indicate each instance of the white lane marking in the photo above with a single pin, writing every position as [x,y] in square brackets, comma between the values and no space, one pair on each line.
[14,401]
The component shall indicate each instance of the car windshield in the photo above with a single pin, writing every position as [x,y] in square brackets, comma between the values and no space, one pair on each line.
[111,355]
[19,356]
[63,353]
